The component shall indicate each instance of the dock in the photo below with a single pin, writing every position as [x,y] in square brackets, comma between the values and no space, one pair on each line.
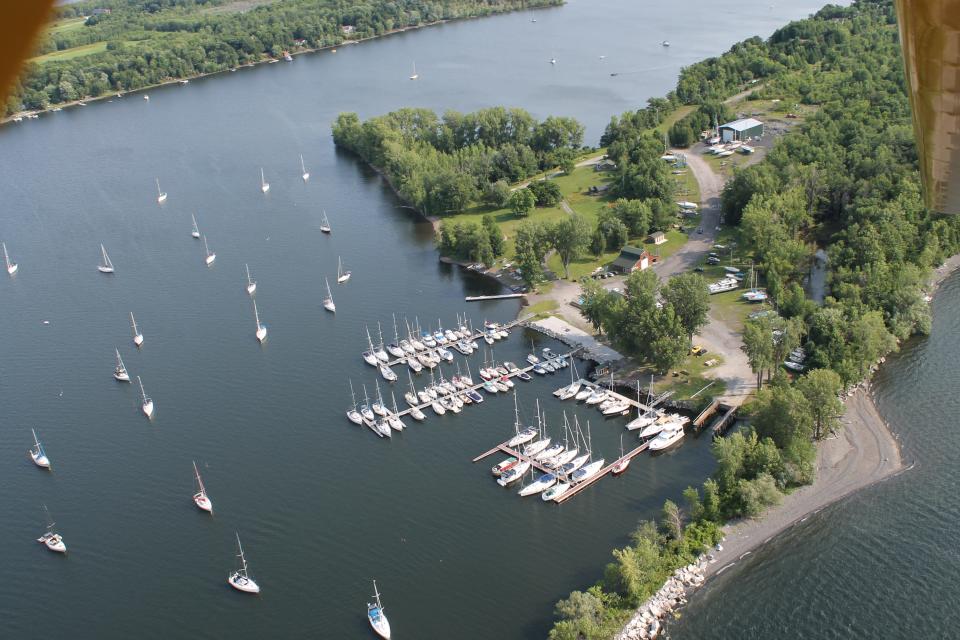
[577,488]
[502,296]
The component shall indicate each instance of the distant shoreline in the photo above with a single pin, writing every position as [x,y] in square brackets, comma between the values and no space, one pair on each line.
[267,60]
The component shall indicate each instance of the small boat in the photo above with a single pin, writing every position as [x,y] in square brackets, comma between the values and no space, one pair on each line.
[500,467]
[667,438]
[146,403]
[240,579]
[623,463]
[328,303]
[161,195]
[107,265]
[11,266]
[195,232]
[542,483]
[261,333]
[303,170]
[264,185]
[376,616]
[211,256]
[387,373]
[556,491]
[342,276]
[325,224]
[38,454]
[137,336]
[251,283]
[52,540]
[414,75]
[352,414]
[120,371]
[200,498]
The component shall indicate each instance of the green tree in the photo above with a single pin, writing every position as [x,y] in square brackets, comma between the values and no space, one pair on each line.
[821,388]
[689,296]
[570,237]
[522,202]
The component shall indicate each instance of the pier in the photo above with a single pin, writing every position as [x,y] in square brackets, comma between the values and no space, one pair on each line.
[575,489]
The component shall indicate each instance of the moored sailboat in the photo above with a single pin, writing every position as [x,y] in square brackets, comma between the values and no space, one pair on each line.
[240,579]
[200,498]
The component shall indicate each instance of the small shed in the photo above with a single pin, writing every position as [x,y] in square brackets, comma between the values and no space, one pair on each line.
[658,237]
[741,130]
[631,259]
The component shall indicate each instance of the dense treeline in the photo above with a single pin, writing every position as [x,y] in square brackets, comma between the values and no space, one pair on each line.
[846,180]
[442,164]
[152,41]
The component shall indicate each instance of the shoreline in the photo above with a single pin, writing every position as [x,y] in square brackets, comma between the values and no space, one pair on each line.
[267,60]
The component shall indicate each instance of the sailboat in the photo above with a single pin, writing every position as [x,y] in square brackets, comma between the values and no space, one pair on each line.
[120,372]
[342,276]
[146,402]
[264,185]
[211,256]
[11,266]
[200,498]
[325,223]
[303,170]
[161,195]
[261,330]
[352,414]
[251,283]
[376,616]
[240,579]
[328,301]
[415,75]
[107,266]
[50,539]
[137,336]
[622,465]
[38,454]
[195,233]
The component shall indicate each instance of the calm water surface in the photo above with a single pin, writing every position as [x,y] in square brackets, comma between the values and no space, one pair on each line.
[322,506]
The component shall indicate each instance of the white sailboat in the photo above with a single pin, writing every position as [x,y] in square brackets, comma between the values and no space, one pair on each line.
[303,170]
[107,265]
[195,232]
[211,256]
[240,579]
[352,414]
[342,276]
[146,403]
[38,454]
[11,266]
[251,283]
[120,371]
[200,498]
[261,329]
[376,616]
[325,223]
[161,195]
[137,336]
[414,75]
[50,539]
[328,303]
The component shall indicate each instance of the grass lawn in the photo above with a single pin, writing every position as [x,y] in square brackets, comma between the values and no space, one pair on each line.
[75,52]
[67,24]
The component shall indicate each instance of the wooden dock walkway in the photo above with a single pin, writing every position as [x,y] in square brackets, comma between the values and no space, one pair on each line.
[577,488]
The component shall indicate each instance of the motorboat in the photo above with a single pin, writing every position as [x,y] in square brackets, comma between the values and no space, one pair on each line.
[667,438]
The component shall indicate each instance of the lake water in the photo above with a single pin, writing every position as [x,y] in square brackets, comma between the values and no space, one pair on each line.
[321,505]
